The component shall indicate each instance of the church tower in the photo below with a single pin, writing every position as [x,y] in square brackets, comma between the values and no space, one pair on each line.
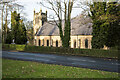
[38,20]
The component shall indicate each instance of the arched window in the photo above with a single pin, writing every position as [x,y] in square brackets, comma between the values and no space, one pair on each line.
[57,43]
[47,42]
[75,44]
[43,42]
[79,43]
[39,42]
[86,43]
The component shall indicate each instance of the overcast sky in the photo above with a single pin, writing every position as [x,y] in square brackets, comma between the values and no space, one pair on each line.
[30,5]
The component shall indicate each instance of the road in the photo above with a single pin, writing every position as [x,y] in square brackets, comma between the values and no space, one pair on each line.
[83,62]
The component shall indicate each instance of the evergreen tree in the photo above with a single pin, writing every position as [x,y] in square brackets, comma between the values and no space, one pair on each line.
[97,9]
[106,28]
[18,29]
[112,22]
[9,37]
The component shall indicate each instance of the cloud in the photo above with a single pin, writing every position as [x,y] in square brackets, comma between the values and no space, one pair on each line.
[28,1]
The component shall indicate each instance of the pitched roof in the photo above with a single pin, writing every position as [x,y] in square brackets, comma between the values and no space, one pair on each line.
[80,25]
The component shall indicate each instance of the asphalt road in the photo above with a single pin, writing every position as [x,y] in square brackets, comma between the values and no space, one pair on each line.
[84,62]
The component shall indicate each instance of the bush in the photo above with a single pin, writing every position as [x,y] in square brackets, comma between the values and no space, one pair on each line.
[63,51]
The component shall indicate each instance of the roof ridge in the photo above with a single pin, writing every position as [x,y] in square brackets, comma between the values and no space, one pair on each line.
[39,30]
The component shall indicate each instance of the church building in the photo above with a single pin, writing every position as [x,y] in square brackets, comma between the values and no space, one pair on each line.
[47,34]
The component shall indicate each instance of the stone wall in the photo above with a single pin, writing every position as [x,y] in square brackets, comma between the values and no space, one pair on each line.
[79,41]
[75,42]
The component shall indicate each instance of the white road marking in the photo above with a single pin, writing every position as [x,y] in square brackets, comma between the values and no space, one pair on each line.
[80,60]
[91,61]
[37,55]
[16,54]
[73,63]
[117,64]
[83,60]
[52,61]
[44,56]
[42,59]
[74,59]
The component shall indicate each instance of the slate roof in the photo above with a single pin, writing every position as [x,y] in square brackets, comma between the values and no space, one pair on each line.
[79,26]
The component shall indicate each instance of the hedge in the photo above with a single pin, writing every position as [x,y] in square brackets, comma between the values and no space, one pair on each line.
[63,51]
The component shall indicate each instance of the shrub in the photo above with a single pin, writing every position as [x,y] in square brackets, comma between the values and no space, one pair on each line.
[63,51]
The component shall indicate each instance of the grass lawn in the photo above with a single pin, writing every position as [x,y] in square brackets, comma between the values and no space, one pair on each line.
[27,69]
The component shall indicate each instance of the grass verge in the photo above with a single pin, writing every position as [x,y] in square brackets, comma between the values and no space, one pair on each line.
[27,69]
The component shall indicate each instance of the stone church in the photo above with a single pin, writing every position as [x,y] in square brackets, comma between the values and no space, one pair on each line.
[47,34]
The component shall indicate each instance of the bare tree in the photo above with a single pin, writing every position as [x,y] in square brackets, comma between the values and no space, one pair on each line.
[6,7]
[6,23]
[2,9]
[60,8]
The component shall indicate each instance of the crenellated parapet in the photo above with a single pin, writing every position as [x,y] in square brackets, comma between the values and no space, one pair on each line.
[38,20]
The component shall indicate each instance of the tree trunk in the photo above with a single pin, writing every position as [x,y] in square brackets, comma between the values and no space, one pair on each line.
[67,31]
[2,24]
[6,26]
